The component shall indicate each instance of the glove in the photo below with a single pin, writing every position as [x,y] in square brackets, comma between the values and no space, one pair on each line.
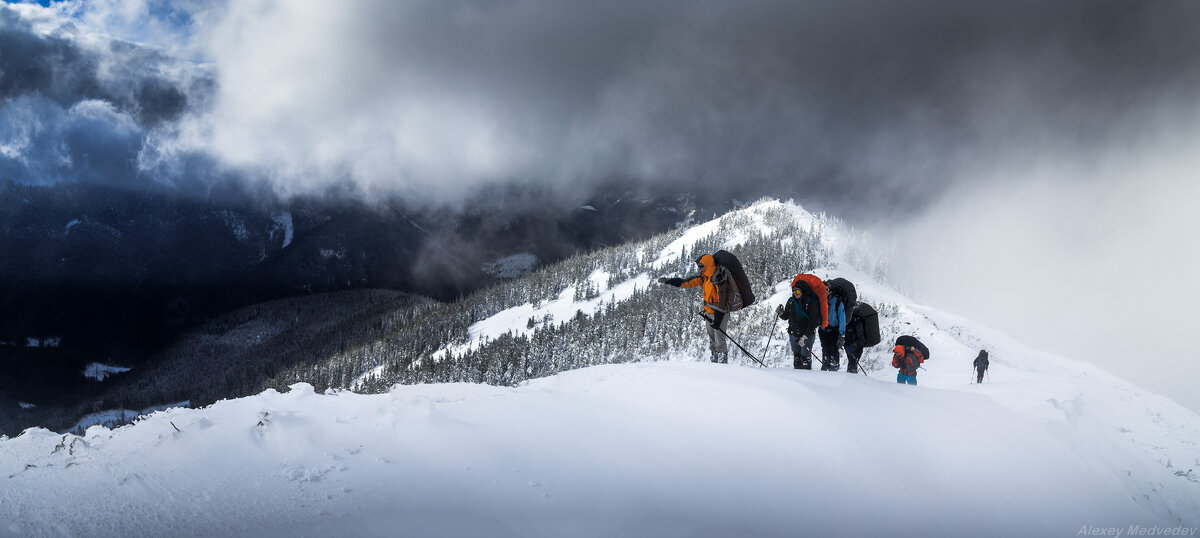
[779,311]
[662,280]
[717,319]
[670,281]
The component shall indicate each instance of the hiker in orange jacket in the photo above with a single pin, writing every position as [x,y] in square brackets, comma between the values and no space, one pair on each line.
[712,279]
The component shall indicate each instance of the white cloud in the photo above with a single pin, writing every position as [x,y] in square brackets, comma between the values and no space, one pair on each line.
[1087,254]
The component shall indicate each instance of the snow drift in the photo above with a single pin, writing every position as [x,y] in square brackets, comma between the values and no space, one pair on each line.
[666,449]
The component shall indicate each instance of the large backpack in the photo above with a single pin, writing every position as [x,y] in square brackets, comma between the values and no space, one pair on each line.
[870,323]
[739,285]
[845,291]
[907,341]
[818,288]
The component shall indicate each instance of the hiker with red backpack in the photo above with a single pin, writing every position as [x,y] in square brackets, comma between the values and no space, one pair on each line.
[908,355]
[804,312]
[725,289]
[842,296]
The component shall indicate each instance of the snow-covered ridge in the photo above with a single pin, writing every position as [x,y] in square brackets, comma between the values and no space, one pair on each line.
[635,448]
[1046,388]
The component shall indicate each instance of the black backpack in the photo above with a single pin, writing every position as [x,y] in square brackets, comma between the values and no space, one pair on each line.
[743,296]
[870,323]
[845,291]
[912,341]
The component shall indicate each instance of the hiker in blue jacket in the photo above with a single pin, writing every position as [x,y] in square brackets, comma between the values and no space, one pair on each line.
[833,337]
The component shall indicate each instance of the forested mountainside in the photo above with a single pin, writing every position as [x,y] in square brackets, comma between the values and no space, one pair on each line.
[95,274]
[598,308]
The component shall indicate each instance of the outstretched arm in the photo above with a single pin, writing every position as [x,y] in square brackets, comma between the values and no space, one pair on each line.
[689,282]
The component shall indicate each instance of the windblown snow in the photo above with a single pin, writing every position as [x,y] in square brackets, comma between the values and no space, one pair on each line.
[283,219]
[99,371]
[1046,446]
[511,266]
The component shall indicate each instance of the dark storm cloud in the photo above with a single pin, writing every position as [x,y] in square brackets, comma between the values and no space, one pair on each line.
[79,110]
[871,101]
[438,98]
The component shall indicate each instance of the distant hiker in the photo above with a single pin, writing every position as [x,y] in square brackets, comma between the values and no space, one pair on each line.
[804,314]
[842,296]
[725,290]
[981,365]
[908,355]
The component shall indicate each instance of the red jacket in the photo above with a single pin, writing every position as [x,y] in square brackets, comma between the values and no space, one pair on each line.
[908,360]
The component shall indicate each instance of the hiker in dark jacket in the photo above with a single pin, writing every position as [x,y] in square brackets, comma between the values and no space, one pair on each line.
[803,314]
[981,365]
[856,340]
[908,359]
[717,302]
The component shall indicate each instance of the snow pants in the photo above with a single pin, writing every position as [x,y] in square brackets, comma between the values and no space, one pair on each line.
[717,343]
[909,379]
[829,349]
[853,353]
[980,378]
[801,351]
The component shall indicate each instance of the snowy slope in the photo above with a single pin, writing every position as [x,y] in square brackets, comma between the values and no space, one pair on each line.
[1047,447]
[674,449]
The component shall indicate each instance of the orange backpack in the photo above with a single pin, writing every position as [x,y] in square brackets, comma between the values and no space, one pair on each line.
[818,287]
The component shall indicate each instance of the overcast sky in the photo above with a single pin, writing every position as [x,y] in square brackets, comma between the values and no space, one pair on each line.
[1038,154]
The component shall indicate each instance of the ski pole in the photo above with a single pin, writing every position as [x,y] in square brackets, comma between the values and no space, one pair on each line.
[735,342]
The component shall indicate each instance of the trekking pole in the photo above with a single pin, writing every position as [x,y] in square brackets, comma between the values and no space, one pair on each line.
[857,361]
[810,352]
[768,346]
[735,342]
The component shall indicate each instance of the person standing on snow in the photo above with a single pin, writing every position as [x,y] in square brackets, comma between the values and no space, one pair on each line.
[803,314]
[856,340]
[908,359]
[981,365]
[833,337]
[713,280]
